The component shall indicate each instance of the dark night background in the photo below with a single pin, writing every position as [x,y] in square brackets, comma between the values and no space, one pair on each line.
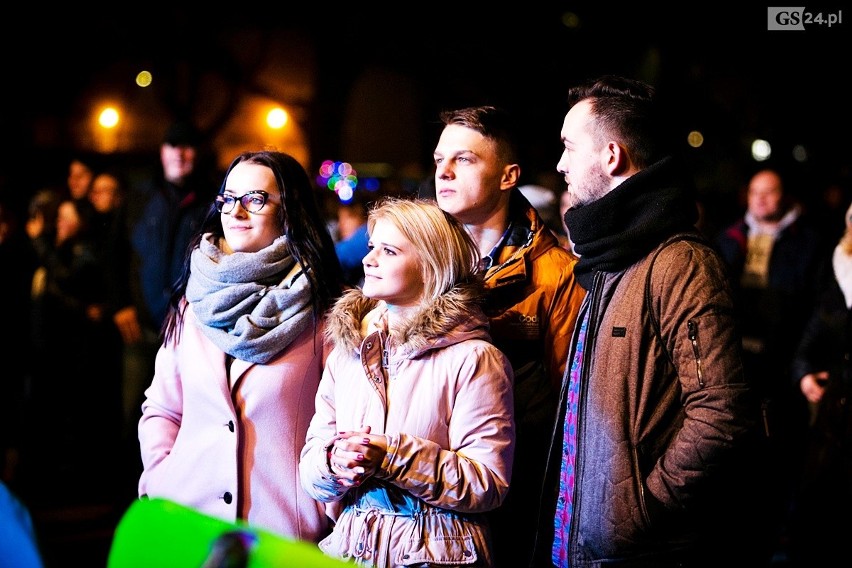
[720,69]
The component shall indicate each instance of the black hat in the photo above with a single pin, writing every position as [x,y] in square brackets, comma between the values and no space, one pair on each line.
[182,133]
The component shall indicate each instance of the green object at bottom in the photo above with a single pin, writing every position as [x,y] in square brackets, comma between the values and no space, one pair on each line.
[165,534]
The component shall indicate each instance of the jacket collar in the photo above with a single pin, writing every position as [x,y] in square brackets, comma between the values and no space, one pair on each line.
[621,227]
[454,316]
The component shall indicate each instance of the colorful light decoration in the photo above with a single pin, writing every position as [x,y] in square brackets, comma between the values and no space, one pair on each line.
[339,177]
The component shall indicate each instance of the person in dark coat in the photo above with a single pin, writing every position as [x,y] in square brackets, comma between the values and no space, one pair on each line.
[776,259]
[822,369]
[150,240]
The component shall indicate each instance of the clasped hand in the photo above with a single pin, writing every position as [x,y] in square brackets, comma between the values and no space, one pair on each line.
[355,455]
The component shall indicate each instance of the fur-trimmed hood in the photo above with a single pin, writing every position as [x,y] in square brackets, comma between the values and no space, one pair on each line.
[455,316]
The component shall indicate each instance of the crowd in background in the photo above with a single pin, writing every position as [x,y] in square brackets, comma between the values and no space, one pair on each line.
[89,268]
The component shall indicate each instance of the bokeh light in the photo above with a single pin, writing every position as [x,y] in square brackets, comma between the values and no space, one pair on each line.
[571,20]
[695,139]
[761,150]
[800,153]
[277,118]
[108,118]
[144,78]
[340,177]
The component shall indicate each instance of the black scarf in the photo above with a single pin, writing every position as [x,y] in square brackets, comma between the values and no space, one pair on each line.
[626,224]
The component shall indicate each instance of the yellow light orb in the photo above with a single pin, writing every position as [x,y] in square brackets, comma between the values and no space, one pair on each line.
[695,139]
[144,78]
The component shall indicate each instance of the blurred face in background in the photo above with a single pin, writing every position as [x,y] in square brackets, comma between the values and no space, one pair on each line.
[67,222]
[349,219]
[564,204]
[104,194]
[79,179]
[178,162]
[766,197]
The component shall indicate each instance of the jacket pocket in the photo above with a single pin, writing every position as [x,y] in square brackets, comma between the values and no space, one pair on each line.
[443,550]
[441,539]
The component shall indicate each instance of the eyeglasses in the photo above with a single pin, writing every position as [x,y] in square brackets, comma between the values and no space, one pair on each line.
[253,201]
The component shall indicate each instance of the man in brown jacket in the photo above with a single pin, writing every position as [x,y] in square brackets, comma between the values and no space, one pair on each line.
[657,457]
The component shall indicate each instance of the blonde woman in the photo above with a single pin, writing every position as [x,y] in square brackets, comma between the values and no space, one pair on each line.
[413,434]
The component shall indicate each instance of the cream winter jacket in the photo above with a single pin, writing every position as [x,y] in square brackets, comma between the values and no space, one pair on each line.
[449,420]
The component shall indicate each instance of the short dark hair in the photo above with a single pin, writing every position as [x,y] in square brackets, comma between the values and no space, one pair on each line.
[625,110]
[493,123]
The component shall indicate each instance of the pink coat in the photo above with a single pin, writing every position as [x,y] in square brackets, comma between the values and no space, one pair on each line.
[233,452]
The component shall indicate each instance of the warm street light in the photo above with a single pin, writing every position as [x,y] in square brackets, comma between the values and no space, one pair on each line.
[277,118]
[108,118]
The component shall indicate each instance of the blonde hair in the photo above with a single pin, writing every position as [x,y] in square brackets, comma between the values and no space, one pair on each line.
[447,252]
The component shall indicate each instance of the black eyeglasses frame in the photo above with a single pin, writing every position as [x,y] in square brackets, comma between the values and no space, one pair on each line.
[248,201]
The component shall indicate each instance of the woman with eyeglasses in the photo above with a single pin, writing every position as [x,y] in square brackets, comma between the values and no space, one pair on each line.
[226,415]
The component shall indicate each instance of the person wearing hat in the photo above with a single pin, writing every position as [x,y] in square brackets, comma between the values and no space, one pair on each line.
[150,239]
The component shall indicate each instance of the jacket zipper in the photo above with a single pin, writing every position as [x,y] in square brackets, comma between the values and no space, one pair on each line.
[692,328]
[518,254]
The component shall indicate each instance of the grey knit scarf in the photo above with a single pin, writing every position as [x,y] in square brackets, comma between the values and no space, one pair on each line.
[251,304]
